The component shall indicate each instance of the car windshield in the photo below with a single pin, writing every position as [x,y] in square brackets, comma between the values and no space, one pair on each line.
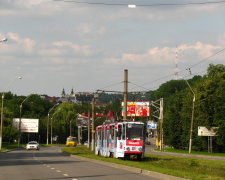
[71,139]
[32,143]
[134,131]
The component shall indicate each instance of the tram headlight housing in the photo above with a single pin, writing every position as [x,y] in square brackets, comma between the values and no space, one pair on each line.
[140,149]
[128,149]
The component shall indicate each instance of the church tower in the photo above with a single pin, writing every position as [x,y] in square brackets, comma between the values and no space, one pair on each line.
[63,93]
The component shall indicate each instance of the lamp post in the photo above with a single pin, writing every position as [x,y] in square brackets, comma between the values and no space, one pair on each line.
[3,39]
[21,106]
[48,122]
[1,125]
[192,115]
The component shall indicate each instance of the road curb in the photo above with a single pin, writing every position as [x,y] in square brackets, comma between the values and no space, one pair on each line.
[152,174]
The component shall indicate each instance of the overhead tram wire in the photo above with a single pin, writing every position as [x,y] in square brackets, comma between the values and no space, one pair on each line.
[144,5]
[205,59]
[110,85]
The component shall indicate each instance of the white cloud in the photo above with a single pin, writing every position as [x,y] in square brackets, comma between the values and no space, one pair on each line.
[51,52]
[91,31]
[84,50]
[165,55]
[16,44]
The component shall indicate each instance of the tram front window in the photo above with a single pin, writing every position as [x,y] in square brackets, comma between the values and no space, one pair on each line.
[134,131]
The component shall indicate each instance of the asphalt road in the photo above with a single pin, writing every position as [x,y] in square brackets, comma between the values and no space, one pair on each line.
[49,163]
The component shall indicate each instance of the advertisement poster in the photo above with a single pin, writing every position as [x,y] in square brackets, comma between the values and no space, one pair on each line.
[27,125]
[137,109]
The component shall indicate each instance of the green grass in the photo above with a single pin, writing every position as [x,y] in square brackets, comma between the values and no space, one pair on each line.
[192,152]
[6,146]
[190,168]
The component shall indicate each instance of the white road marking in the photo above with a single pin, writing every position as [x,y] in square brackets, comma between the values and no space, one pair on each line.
[48,166]
[58,171]
[65,175]
[52,168]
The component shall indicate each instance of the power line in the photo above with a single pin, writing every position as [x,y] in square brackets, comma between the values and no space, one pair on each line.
[140,86]
[110,85]
[143,5]
[218,52]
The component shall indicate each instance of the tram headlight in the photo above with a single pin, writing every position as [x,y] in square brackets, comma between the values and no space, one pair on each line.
[140,149]
[128,149]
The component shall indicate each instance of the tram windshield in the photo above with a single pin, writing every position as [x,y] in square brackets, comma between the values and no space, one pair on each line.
[134,131]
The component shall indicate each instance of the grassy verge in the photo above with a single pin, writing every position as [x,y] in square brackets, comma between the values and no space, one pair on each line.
[192,152]
[196,169]
[6,147]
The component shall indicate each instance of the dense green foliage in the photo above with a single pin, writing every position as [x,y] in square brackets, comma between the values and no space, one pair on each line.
[34,107]
[209,109]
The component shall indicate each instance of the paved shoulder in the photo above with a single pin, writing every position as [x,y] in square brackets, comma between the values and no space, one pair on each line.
[150,150]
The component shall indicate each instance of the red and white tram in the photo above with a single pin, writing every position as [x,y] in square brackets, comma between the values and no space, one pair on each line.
[120,140]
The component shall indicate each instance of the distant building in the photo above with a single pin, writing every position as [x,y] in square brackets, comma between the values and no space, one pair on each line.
[77,98]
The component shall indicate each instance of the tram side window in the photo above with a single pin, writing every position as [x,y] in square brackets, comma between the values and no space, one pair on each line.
[123,132]
[112,132]
[119,133]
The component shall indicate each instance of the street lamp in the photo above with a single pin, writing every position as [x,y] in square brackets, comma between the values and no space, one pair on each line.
[192,115]
[3,39]
[48,122]
[21,105]
[3,96]
[131,6]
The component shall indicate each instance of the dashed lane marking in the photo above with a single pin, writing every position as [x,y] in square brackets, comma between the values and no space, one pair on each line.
[65,175]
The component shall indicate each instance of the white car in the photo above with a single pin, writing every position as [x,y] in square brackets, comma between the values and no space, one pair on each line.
[32,145]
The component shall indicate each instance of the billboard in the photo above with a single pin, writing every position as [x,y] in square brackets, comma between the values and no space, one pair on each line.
[151,125]
[137,109]
[203,131]
[82,121]
[27,125]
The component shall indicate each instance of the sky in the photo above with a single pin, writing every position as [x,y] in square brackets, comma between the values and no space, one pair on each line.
[86,46]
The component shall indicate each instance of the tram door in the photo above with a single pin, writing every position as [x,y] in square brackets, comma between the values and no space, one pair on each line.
[120,138]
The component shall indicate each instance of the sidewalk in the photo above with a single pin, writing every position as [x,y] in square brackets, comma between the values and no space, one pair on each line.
[149,149]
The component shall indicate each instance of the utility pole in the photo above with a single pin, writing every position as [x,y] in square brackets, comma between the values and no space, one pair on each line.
[161,123]
[48,121]
[159,111]
[19,135]
[93,124]
[89,119]
[192,116]
[192,121]
[125,94]
[79,137]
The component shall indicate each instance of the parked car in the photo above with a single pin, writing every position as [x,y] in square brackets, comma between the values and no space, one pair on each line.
[32,145]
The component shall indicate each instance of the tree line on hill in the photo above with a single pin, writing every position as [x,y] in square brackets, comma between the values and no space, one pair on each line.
[209,109]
